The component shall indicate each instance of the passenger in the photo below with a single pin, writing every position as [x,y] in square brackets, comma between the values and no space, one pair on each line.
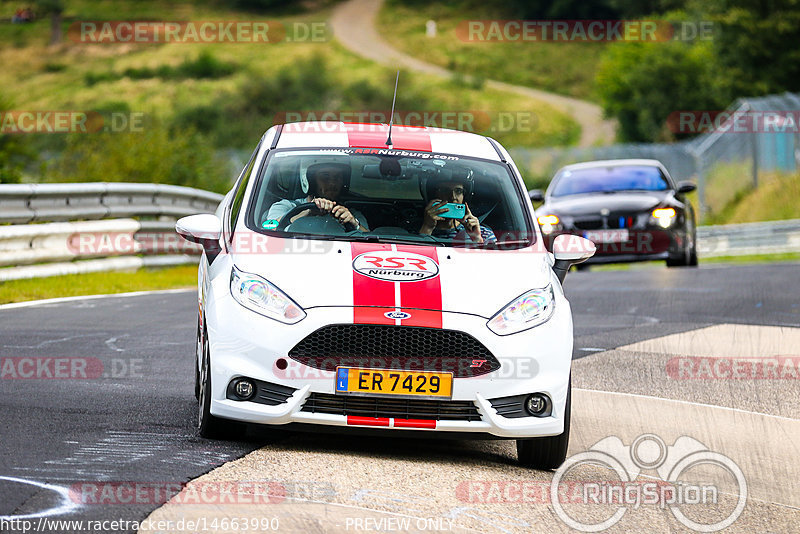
[467,229]
[326,181]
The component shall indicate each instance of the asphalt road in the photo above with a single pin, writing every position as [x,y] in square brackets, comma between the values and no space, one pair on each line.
[135,420]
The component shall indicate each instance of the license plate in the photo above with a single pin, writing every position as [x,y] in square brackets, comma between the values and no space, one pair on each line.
[607,236]
[393,382]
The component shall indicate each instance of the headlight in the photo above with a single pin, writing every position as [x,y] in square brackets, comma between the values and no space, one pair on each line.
[548,223]
[528,310]
[258,295]
[664,216]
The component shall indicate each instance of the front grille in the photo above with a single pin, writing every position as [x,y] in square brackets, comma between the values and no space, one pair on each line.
[588,224]
[613,221]
[388,407]
[395,347]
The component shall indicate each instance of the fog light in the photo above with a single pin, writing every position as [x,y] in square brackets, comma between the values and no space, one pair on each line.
[536,404]
[244,389]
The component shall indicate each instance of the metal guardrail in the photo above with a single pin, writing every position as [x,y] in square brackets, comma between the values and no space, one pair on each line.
[54,247]
[25,203]
[749,238]
[57,247]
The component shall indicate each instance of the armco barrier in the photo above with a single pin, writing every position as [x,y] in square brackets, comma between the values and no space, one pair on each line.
[50,248]
[70,211]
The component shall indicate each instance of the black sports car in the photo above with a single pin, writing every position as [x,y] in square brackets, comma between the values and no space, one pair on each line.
[630,208]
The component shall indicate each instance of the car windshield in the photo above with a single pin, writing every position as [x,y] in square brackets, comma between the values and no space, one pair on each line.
[387,193]
[609,179]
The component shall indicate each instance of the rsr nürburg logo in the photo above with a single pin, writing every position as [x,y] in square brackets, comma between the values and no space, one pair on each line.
[395,266]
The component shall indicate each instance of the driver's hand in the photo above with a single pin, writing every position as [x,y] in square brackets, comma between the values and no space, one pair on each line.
[324,205]
[343,215]
[431,217]
[472,225]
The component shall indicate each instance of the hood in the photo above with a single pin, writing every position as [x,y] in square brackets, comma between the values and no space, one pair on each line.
[338,273]
[590,204]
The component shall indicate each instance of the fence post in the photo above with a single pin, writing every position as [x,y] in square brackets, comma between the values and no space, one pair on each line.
[700,172]
[754,145]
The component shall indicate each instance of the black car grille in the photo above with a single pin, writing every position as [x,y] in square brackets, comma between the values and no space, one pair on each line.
[388,407]
[395,347]
[612,222]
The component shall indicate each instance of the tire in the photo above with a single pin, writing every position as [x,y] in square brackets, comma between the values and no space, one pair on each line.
[693,255]
[548,452]
[688,258]
[198,350]
[210,426]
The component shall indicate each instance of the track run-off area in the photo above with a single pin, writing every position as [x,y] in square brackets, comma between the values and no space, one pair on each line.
[685,387]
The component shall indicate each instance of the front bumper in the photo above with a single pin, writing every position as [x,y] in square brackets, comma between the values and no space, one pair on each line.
[245,344]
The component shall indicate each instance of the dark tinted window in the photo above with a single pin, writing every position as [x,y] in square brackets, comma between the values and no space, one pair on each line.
[603,179]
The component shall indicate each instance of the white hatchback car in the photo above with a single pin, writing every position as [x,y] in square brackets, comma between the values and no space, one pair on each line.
[358,286]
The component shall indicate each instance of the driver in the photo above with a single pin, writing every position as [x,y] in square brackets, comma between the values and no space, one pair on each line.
[467,229]
[326,183]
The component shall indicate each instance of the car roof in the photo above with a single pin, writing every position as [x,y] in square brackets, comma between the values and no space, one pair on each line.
[613,163]
[315,134]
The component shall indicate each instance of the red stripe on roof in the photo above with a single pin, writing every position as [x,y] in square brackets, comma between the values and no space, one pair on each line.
[374,136]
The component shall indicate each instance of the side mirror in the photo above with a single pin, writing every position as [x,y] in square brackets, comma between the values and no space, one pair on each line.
[205,229]
[686,187]
[536,195]
[569,250]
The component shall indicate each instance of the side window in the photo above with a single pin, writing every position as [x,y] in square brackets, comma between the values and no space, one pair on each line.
[238,197]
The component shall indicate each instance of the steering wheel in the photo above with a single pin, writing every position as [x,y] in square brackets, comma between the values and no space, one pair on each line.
[287,219]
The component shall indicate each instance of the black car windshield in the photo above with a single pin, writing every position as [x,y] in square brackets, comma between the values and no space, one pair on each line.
[387,193]
[609,179]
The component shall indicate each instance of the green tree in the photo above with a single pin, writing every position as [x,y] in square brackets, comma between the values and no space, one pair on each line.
[642,83]
[756,43]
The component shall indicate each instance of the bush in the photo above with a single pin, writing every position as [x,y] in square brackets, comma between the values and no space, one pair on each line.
[155,155]
[205,66]
[235,119]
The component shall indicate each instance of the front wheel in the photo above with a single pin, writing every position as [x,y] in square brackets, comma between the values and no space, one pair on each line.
[548,452]
[209,426]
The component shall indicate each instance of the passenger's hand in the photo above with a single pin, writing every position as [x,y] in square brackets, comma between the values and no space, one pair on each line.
[472,225]
[432,211]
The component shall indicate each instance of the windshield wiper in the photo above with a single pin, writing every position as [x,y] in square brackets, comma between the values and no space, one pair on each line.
[372,238]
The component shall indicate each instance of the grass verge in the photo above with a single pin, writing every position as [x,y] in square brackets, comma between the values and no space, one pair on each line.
[184,276]
[747,259]
[566,68]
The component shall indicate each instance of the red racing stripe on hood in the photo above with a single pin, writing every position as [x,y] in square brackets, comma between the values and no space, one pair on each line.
[425,294]
[371,297]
